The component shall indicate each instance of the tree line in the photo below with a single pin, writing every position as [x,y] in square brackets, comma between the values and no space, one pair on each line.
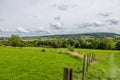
[106,43]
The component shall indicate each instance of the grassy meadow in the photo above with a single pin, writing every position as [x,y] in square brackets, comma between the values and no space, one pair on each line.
[106,69]
[30,63]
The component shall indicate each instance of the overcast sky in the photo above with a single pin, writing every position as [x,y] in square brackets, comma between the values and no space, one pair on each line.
[49,17]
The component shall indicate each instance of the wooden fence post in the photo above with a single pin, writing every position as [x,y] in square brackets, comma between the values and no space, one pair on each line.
[92,57]
[71,74]
[68,74]
[87,62]
[84,68]
[89,59]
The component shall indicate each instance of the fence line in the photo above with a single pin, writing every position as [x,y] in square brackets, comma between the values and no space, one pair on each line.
[87,60]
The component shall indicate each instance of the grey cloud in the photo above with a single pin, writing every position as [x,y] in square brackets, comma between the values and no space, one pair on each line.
[2,19]
[57,18]
[63,7]
[84,25]
[104,14]
[91,24]
[113,21]
[56,25]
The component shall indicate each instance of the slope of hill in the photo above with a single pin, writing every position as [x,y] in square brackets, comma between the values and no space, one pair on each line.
[92,35]
[96,35]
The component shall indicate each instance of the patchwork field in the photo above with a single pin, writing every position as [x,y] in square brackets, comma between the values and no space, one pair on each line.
[32,64]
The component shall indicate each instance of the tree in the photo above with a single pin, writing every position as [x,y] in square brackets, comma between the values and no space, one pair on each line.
[5,43]
[106,43]
[15,40]
[83,43]
[65,44]
[117,46]
[94,43]
[101,45]
[59,43]
[0,43]
[72,42]
[77,44]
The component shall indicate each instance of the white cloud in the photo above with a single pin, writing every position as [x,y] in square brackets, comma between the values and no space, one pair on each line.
[58,16]
[2,19]
[98,23]
[44,31]
[22,30]
[41,28]
[3,29]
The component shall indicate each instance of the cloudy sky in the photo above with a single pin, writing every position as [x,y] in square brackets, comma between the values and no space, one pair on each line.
[49,17]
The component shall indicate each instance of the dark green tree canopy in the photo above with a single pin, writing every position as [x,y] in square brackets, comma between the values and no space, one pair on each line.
[14,40]
[117,45]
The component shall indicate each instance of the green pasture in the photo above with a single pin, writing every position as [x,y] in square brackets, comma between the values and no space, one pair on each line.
[30,63]
[106,69]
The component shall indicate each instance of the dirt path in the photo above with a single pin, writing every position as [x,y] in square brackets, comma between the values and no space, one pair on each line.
[75,54]
[114,71]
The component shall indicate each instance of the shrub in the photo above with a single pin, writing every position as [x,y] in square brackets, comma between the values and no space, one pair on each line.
[43,50]
[71,48]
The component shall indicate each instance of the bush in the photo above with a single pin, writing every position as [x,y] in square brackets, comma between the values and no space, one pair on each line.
[43,50]
[61,52]
[71,48]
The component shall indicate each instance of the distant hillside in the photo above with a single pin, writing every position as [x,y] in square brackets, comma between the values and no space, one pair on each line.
[89,35]
[96,35]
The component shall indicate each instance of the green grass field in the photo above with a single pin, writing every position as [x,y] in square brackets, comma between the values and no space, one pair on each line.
[107,69]
[32,64]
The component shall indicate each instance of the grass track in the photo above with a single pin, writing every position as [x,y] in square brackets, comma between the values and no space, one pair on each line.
[107,69]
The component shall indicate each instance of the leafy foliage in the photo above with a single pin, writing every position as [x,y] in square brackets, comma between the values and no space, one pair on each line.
[107,43]
[118,45]
[14,40]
